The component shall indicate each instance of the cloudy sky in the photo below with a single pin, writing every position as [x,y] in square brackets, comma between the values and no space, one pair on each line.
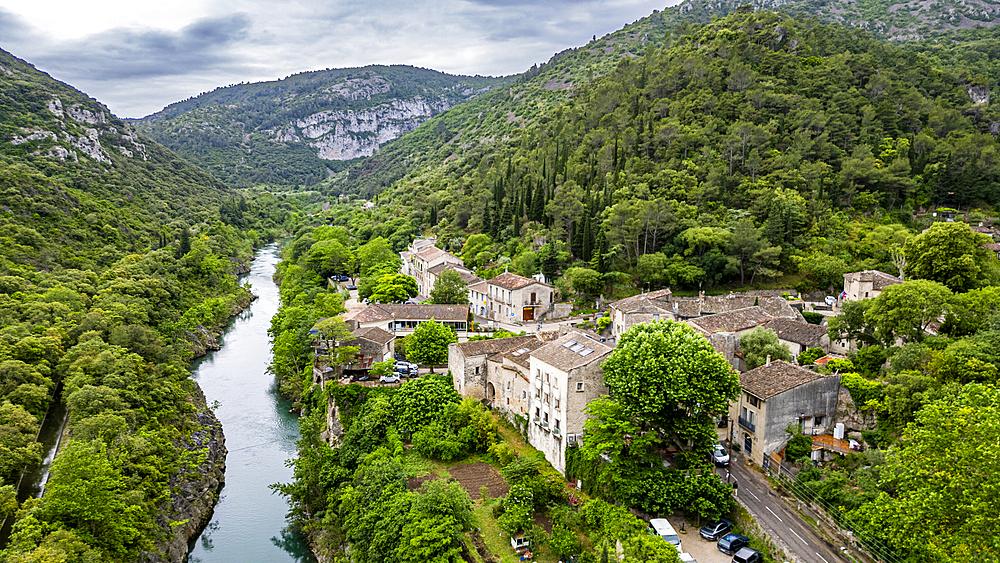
[138,56]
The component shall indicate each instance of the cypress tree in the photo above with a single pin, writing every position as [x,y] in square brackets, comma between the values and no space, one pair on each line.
[527,200]
[600,247]
[487,221]
[185,245]
[538,204]
[587,238]
[576,246]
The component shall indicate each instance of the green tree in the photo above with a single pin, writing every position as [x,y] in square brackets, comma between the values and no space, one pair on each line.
[905,310]
[586,282]
[938,482]
[419,402]
[450,289]
[951,254]
[329,257]
[667,376]
[428,345]
[760,343]
[376,253]
[850,324]
[564,542]
[645,548]
[18,447]
[394,288]
[473,246]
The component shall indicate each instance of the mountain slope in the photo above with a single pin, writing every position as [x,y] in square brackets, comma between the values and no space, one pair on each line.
[297,130]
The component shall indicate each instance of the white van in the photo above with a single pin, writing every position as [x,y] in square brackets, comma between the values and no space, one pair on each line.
[662,528]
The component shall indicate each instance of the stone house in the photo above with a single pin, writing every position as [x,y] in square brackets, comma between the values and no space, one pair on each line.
[772,397]
[514,298]
[420,257]
[402,319]
[799,336]
[479,298]
[467,362]
[467,276]
[508,377]
[645,307]
[724,330]
[374,345]
[565,375]
[866,284]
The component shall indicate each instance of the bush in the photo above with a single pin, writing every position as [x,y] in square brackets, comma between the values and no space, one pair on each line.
[813,317]
[809,356]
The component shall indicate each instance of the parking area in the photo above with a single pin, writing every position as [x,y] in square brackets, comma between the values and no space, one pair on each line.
[704,551]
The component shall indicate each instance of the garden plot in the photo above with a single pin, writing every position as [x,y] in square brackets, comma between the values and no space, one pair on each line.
[472,476]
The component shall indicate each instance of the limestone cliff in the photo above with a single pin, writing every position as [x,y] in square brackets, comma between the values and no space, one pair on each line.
[298,130]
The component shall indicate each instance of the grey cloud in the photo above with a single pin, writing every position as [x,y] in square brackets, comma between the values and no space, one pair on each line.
[128,53]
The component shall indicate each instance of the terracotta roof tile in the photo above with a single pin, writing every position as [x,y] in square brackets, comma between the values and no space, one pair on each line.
[510,280]
[768,381]
[660,297]
[375,334]
[778,307]
[419,312]
[880,280]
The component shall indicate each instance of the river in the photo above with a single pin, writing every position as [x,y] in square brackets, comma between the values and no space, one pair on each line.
[249,522]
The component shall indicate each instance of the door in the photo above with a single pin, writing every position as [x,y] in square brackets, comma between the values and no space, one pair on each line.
[747,443]
[529,313]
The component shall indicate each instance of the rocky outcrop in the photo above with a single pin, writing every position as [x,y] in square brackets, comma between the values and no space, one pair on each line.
[194,491]
[347,134]
[203,339]
[978,94]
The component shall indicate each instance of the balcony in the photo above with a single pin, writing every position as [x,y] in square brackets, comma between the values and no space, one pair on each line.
[747,424]
[545,425]
[556,432]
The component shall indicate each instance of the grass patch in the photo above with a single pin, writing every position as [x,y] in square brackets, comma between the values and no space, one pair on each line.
[414,465]
[499,546]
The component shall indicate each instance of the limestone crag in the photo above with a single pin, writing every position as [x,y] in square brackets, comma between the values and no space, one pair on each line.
[978,94]
[347,134]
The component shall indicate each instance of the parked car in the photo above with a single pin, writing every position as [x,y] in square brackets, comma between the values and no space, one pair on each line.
[406,368]
[661,527]
[363,378]
[720,456]
[715,530]
[351,287]
[747,555]
[688,558]
[389,378]
[731,543]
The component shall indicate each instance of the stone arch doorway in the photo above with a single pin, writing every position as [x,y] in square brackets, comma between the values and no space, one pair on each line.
[491,392]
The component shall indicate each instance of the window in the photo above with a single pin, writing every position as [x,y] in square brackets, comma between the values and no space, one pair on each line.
[537,411]
[546,377]
[579,386]
[546,398]
[557,424]
[754,401]
[818,421]
[524,394]
[744,413]
[545,418]
[557,403]
[538,393]
[477,370]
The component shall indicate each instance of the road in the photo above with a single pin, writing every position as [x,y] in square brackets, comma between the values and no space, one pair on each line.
[779,521]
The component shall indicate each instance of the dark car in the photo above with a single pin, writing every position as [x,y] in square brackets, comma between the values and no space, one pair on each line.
[363,378]
[715,530]
[747,555]
[351,287]
[731,543]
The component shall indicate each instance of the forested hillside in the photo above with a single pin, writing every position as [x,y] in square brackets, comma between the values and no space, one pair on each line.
[300,129]
[116,267]
[756,148]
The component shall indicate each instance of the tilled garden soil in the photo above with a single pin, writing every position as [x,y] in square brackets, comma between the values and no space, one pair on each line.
[472,476]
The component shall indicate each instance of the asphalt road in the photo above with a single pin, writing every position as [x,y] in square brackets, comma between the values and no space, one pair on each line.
[780,521]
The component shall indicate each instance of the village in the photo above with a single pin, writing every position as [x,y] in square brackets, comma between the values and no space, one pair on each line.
[546,368]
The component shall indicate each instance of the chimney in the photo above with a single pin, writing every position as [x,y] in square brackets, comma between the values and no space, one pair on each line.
[768,361]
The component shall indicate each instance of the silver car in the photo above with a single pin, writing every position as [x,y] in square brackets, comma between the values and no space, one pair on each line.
[720,456]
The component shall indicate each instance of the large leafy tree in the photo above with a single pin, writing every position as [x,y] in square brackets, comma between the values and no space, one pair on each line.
[850,324]
[906,310]
[420,401]
[760,343]
[450,289]
[668,377]
[939,485]
[428,344]
[394,288]
[376,253]
[951,254]
[329,257]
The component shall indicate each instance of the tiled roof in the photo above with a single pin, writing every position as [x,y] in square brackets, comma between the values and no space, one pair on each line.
[438,268]
[880,280]
[375,334]
[630,304]
[798,332]
[479,285]
[493,345]
[714,304]
[520,355]
[430,253]
[733,321]
[767,381]
[417,312]
[687,308]
[510,280]
[777,307]
[992,246]
[566,358]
